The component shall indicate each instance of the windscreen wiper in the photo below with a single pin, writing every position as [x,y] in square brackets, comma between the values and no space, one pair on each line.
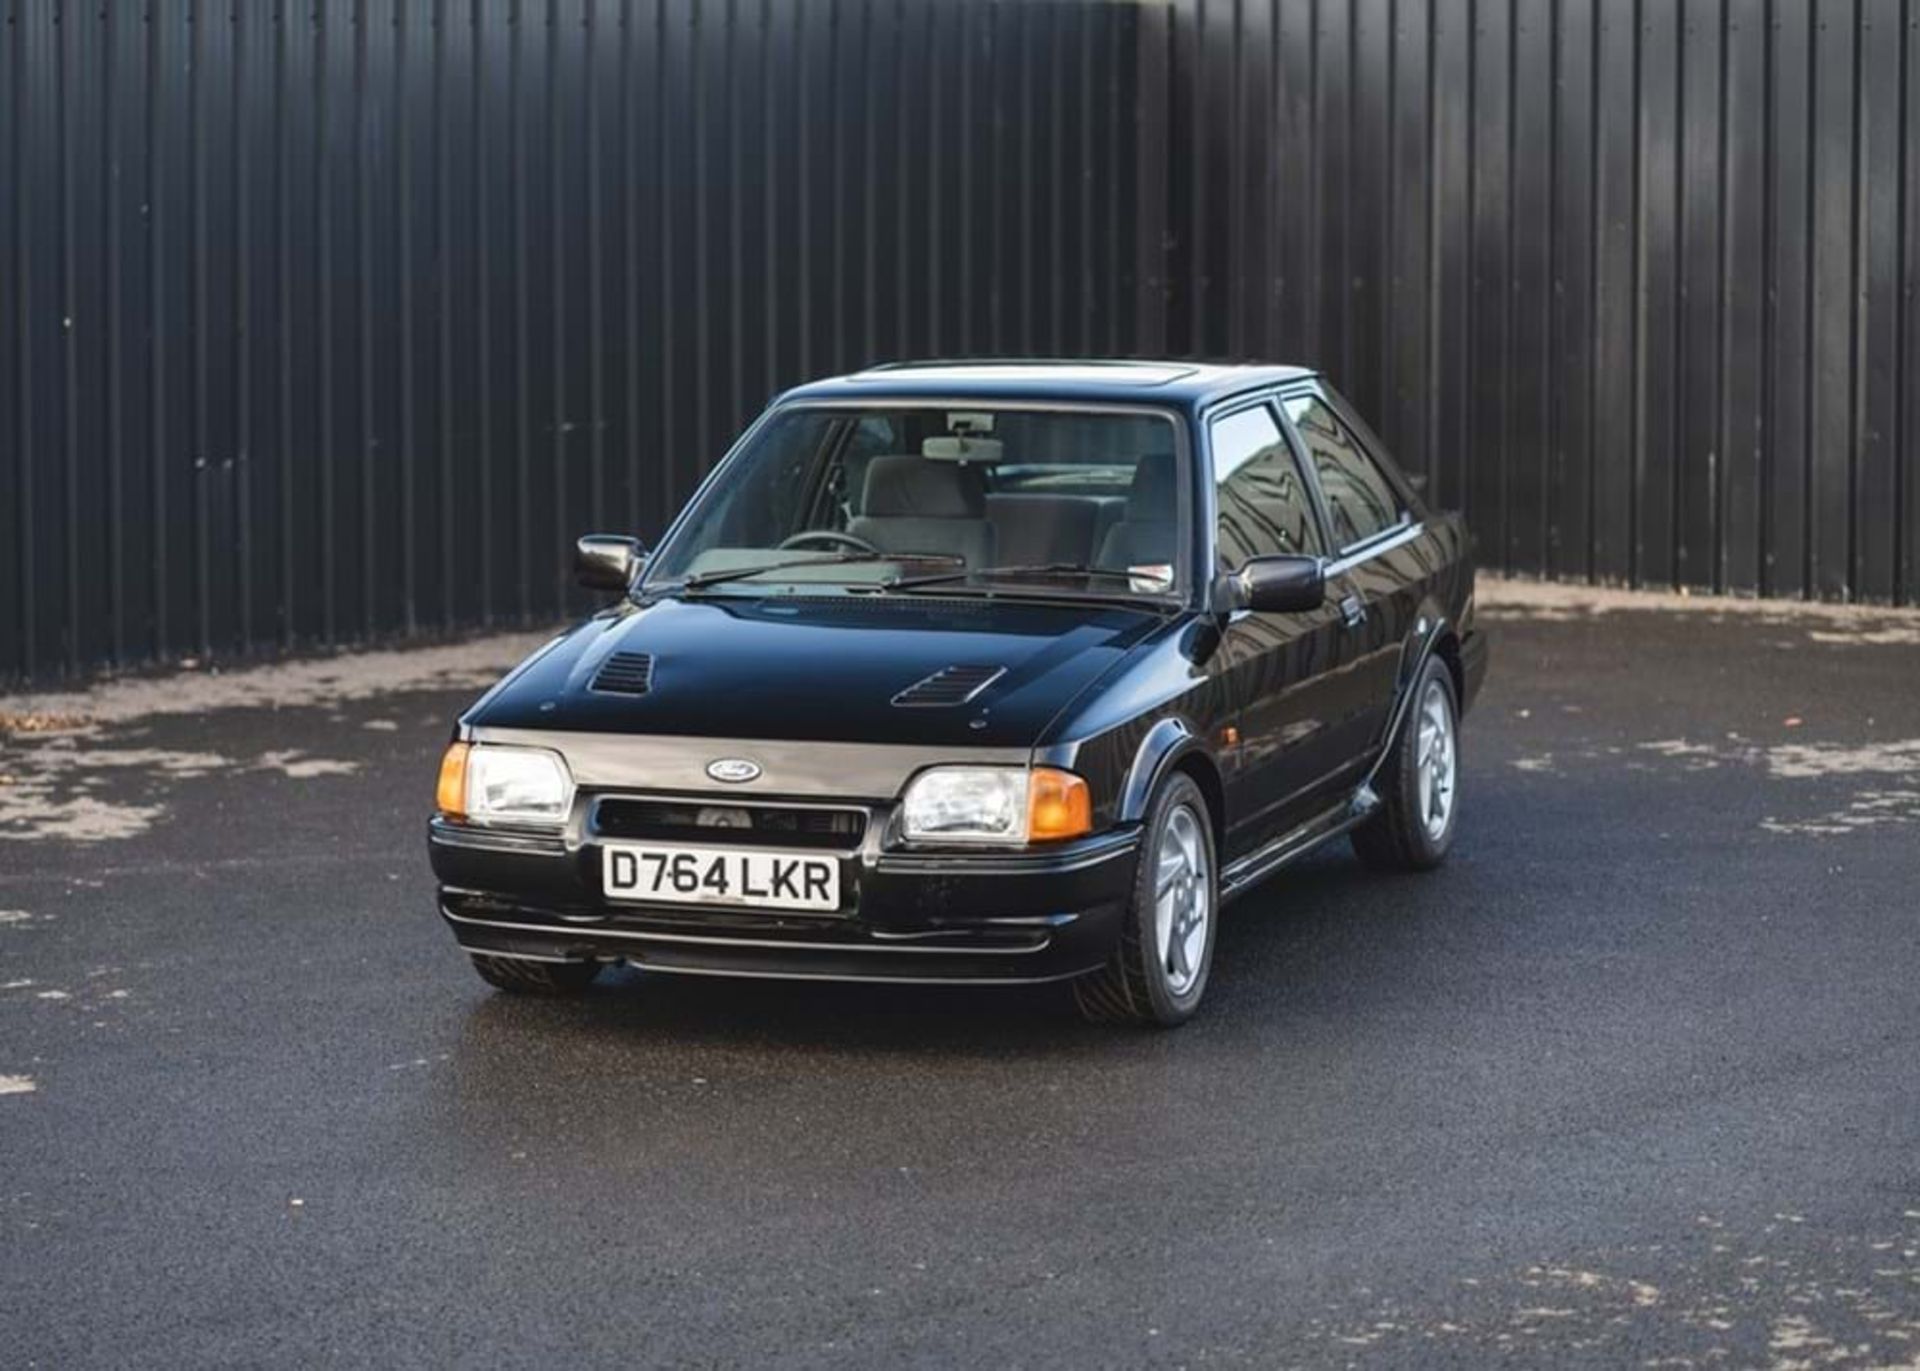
[740,573]
[1044,569]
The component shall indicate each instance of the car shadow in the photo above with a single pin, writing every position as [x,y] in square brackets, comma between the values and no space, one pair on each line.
[1287,929]
[1309,967]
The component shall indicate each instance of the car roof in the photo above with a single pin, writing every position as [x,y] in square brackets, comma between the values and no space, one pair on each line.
[1186,385]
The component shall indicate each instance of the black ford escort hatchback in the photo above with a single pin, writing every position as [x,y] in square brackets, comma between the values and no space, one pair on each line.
[981,672]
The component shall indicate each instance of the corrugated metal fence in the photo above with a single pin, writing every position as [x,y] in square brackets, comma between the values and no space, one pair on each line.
[337,319]
[329,320]
[1633,280]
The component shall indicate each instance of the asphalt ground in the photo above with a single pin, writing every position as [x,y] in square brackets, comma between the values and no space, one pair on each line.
[1635,1078]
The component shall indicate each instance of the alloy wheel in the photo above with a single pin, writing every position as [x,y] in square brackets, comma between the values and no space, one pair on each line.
[1182,899]
[1437,760]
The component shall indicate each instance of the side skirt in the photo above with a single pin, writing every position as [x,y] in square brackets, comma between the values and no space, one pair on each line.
[1246,872]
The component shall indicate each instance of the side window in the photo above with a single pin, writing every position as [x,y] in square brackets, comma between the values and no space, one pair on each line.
[1262,500]
[1360,500]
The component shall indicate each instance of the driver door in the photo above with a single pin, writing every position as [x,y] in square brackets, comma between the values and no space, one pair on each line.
[1283,668]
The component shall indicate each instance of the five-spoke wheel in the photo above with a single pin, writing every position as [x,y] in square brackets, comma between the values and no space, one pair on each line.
[1158,972]
[1436,759]
[1418,783]
[1183,899]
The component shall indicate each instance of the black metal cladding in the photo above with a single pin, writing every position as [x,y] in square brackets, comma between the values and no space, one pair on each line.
[340,319]
[1632,281]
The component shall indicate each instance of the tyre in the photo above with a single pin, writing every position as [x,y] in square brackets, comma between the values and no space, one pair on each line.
[1158,972]
[1420,784]
[521,977]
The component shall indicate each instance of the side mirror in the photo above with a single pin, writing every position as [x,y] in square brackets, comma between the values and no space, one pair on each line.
[605,561]
[1277,585]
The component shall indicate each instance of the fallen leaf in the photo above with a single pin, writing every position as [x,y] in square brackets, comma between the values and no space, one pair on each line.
[40,723]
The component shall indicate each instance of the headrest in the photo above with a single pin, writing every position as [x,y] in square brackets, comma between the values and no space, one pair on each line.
[1152,498]
[912,486]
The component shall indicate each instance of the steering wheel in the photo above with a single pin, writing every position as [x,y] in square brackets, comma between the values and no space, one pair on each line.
[829,535]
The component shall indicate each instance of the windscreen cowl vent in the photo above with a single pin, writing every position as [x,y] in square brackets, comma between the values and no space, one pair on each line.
[950,685]
[625,673]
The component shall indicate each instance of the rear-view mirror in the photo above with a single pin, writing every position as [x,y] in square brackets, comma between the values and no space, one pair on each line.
[1277,585]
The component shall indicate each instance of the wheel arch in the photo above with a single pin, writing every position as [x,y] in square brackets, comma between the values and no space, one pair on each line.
[1431,631]
[1447,648]
[1172,745]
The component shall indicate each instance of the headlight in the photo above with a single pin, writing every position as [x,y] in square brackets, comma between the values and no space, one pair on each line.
[508,785]
[1002,805]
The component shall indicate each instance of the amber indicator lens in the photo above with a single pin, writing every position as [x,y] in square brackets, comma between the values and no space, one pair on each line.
[451,798]
[1058,806]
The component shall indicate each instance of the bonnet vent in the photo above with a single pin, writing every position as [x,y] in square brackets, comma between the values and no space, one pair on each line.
[625,673]
[950,685]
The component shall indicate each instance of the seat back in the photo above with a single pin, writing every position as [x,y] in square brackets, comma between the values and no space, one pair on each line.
[1149,533]
[1036,530]
[921,504]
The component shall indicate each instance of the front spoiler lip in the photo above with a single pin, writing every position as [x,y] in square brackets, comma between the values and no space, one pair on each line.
[600,930]
[1078,944]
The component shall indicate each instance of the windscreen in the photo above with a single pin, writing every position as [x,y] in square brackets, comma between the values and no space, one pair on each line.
[962,496]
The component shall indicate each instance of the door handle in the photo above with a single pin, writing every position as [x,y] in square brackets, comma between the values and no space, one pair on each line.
[1354,610]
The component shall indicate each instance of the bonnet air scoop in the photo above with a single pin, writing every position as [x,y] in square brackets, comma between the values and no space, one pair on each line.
[625,673]
[950,685]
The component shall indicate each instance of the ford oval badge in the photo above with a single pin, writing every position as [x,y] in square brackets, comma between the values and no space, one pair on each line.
[733,770]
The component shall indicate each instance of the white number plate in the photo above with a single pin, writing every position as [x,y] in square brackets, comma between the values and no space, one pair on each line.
[720,875]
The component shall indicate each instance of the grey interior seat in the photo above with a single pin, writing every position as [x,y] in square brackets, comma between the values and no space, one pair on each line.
[920,504]
[1148,534]
[1108,511]
[1035,530]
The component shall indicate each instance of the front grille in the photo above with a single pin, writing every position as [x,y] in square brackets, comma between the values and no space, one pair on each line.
[950,685]
[625,673]
[765,826]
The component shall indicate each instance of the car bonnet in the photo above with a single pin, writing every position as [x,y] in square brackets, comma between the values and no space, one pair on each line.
[960,672]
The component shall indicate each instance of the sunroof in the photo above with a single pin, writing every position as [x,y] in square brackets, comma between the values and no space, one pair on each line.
[1107,373]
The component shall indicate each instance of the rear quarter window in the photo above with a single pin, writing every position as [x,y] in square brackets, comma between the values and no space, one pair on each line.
[1362,502]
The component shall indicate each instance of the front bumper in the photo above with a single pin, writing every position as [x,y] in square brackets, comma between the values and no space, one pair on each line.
[994,918]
